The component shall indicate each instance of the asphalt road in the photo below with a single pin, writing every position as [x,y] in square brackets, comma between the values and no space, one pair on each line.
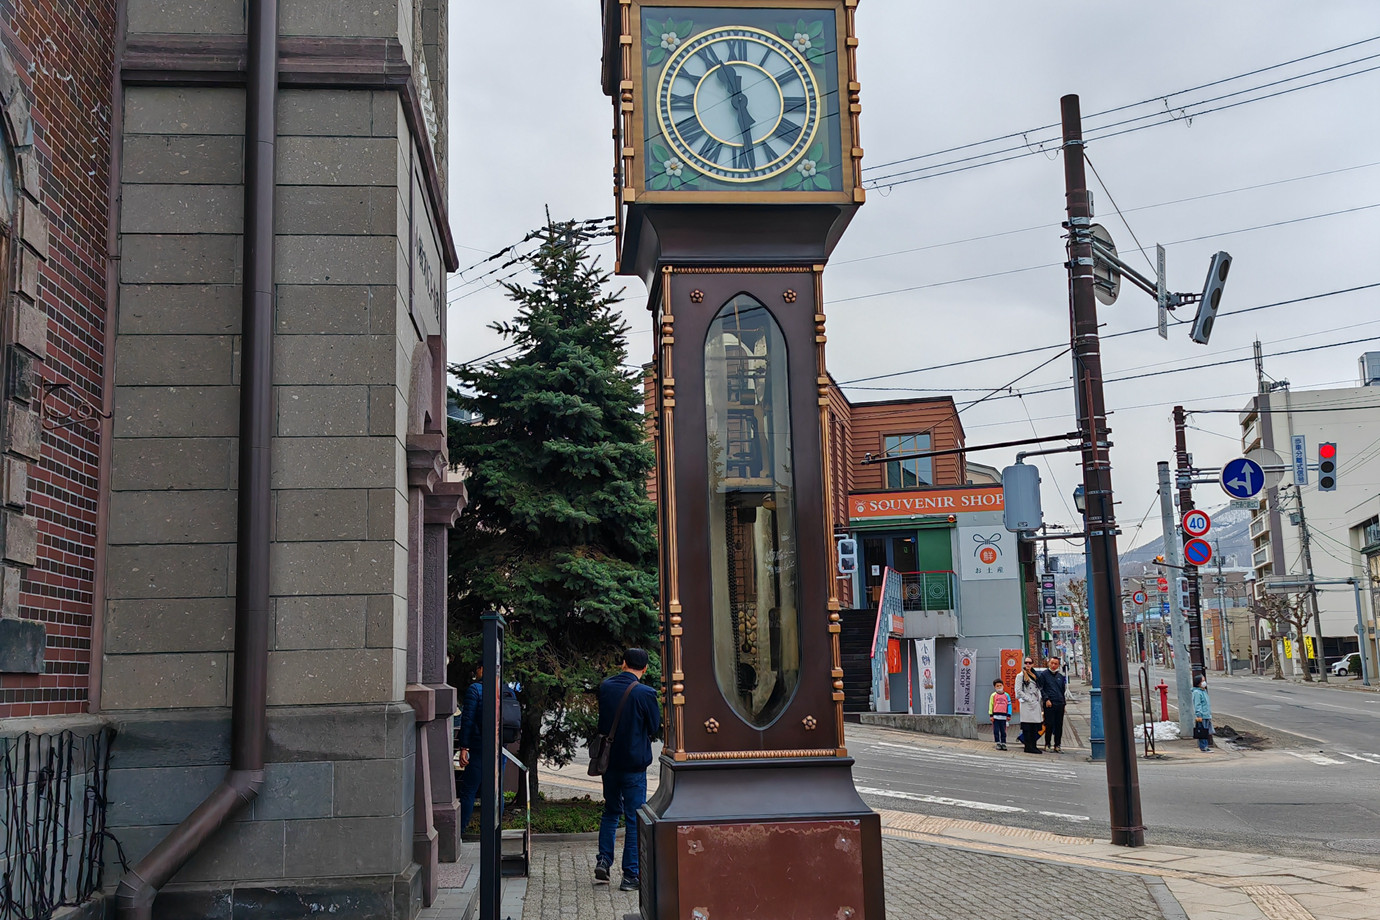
[1309,799]
[1344,721]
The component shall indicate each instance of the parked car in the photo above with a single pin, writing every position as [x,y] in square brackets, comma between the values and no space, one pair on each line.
[1342,666]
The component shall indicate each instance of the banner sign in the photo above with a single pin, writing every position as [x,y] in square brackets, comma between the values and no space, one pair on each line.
[893,656]
[1011,659]
[929,501]
[987,553]
[965,663]
[924,653]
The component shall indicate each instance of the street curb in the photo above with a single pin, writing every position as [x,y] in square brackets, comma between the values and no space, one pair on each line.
[1164,899]
[1269,731]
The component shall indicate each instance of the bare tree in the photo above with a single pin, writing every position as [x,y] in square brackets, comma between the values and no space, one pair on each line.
[1076,599]
[1286,614]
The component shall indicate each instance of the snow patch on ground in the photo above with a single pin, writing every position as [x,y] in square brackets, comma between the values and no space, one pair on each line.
[1164,731]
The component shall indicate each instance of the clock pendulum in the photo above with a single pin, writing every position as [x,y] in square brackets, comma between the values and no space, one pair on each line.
[737,168]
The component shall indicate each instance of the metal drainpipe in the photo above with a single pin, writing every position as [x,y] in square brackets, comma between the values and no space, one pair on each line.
[248,729]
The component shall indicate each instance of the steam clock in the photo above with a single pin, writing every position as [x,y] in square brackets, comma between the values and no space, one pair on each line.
[737,168]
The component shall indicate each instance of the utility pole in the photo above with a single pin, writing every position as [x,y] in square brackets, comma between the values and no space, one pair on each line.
[1104,579]
[1173,558]
[1185,471]
[1307,562]
[1222,610]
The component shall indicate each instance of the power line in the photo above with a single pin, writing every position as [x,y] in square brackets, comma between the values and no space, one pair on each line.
[1144,207]
[1121,108]
[1113,335]
[1100,132]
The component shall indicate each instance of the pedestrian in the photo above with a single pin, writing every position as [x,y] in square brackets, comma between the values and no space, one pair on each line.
[1053,686]
[1202,714]
[1028,696]
[630,717]
[469,740]
[999,711]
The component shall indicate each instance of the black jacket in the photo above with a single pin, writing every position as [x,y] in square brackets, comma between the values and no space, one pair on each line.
[1052,684]
[639,724]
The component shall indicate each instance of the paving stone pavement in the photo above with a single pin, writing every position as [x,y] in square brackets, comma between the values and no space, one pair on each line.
[923,882]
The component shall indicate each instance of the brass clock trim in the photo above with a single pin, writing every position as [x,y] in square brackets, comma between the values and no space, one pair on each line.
[629,144]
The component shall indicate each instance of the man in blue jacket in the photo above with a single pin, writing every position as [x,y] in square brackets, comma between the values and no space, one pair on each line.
[1053,686]
[630,753]
[470,748]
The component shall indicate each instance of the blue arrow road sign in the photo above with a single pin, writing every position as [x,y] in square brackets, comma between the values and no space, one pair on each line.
[1242,478]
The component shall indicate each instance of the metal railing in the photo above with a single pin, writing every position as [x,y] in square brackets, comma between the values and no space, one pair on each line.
[52,819]
[936,590]
[889,607]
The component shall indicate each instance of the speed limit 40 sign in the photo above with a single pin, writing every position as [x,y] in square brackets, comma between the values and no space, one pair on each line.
[1196,523]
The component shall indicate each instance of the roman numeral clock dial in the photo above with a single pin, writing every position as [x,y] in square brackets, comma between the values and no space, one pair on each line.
[736,105]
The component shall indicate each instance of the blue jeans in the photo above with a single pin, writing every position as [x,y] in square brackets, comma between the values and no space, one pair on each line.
[1203,743]
[467,789]
[624,794]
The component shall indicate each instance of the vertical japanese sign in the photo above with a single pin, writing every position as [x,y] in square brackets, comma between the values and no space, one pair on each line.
[1300,460]
[965,663]
[924,653]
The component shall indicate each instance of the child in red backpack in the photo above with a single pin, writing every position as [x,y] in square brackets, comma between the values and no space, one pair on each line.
[999,711]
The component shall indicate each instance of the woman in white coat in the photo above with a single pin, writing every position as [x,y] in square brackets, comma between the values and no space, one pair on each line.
[1032,713]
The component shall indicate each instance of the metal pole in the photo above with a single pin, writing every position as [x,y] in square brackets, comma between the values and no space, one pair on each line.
[1222,610]
[1173,556]
[491,788]
[1361,633]
[1193,614]
[1123,783]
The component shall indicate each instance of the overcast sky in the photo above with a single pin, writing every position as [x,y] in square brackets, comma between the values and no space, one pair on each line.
[530,128]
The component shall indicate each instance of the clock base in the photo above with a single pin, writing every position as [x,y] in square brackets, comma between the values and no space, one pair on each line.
[768,839]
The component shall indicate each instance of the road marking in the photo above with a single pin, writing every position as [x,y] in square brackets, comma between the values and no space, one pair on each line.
[961,803]
[1056,814]
[939,800]
[1321,760]
[1365,757]
[976,759]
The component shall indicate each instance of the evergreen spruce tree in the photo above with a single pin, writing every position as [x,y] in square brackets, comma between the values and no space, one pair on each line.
[559,535]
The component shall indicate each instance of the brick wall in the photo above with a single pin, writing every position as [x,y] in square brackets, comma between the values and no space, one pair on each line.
[62,52]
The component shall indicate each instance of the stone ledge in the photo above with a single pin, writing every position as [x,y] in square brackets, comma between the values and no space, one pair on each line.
[949,726]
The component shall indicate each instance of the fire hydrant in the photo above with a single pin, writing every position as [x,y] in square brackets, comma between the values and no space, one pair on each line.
[1164,700]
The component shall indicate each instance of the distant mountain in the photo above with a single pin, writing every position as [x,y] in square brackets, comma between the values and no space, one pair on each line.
[1230,536]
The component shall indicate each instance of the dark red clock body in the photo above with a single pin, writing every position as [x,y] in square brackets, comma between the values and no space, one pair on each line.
[756,814]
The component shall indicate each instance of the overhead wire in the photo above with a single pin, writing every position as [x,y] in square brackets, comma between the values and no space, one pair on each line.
[1121,108]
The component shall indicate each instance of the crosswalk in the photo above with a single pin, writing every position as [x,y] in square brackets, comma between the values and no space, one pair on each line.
[1330,758]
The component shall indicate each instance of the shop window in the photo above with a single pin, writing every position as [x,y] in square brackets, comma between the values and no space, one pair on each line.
[908,473]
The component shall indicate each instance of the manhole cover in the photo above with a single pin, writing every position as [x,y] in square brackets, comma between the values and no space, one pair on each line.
[1368,845]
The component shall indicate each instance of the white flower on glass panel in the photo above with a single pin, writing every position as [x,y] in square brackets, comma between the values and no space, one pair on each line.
[670,41]
[673,167]
[802,42]
[807,168]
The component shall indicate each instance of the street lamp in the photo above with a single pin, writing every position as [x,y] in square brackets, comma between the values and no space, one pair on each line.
[1096,740]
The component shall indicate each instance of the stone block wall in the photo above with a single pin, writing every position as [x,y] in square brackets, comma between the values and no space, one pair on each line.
[345,818]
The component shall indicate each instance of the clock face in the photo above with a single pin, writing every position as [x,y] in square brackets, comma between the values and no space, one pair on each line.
[738,104]
[741,100]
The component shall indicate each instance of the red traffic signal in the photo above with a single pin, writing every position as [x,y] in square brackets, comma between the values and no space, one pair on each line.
[1327,451]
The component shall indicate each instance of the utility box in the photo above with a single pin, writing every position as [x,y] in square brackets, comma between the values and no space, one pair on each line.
[1020,487]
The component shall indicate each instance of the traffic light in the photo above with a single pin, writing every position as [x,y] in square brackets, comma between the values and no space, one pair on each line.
[1183,592]
[847,556]
[1327,467]
[1211,299]
[1020,488]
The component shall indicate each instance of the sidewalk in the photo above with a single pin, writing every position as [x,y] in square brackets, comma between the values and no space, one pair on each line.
[949,869]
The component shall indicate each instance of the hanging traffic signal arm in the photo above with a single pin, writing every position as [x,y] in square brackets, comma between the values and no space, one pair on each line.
[1139,280]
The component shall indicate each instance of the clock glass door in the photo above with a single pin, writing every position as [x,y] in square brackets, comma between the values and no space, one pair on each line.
[741,100]
[752,538]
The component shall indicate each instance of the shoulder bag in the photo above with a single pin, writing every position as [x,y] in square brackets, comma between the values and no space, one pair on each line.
[601,745]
